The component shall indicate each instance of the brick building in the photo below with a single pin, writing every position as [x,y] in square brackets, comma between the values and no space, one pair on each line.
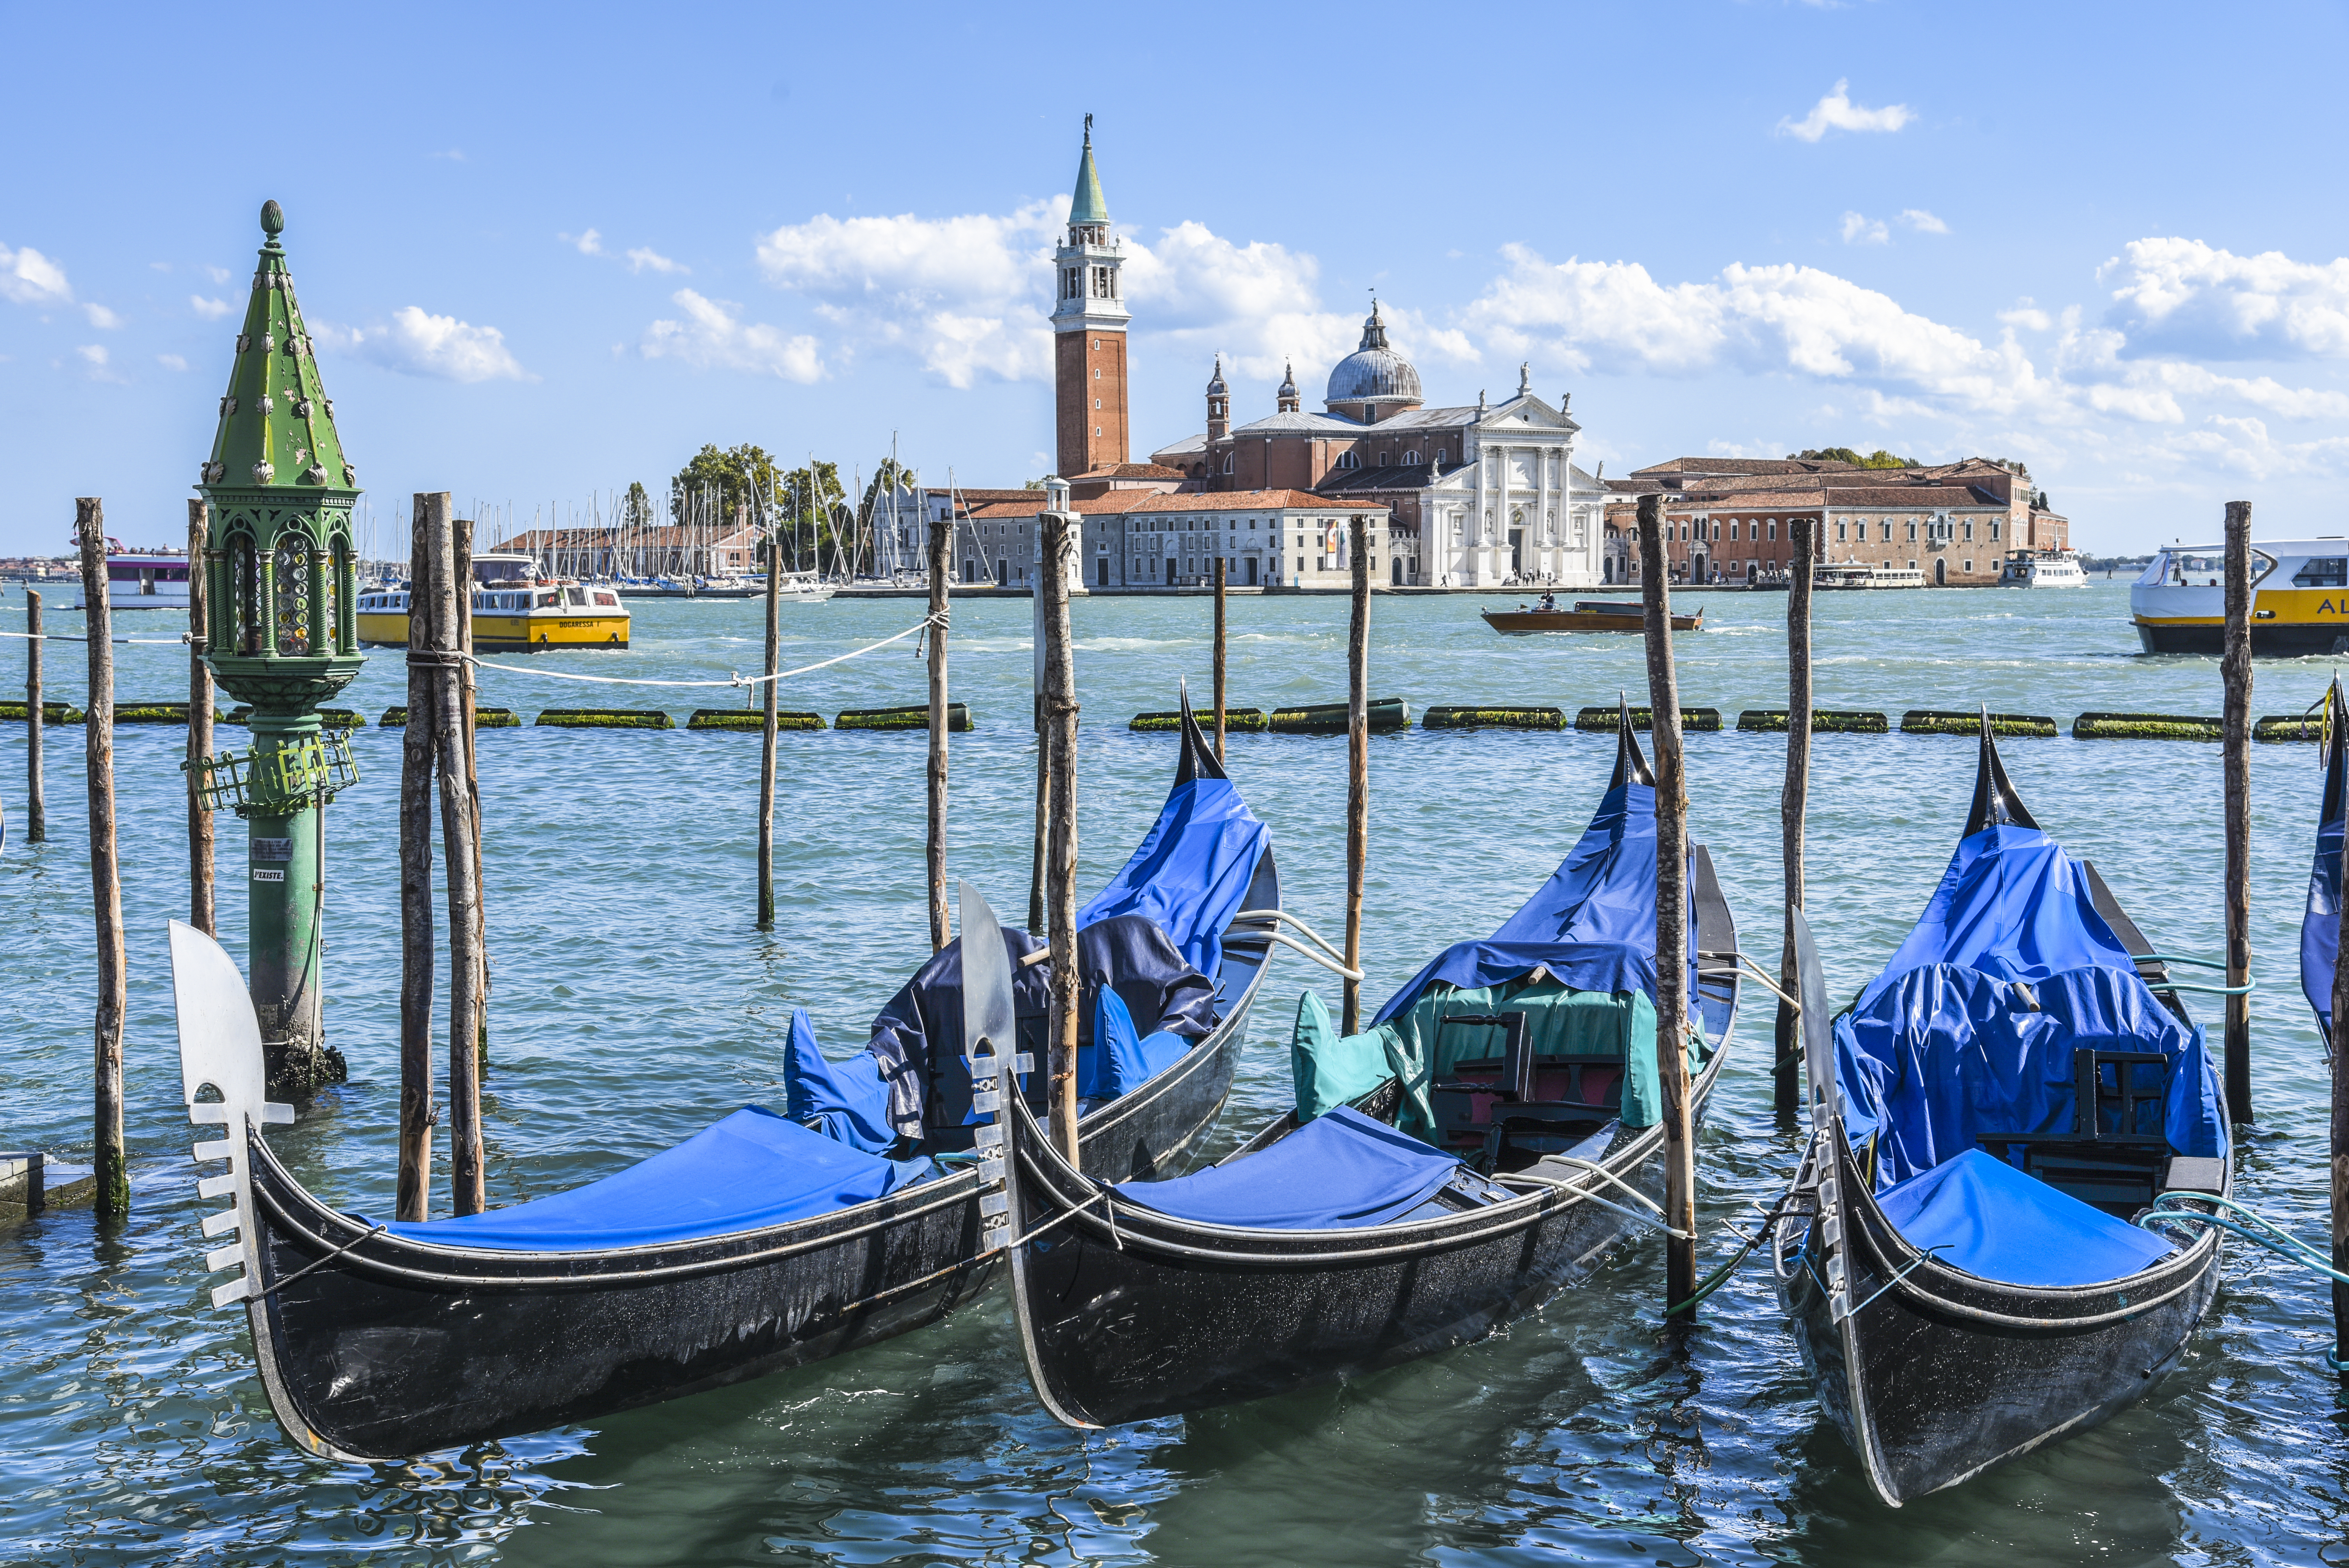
[1729,520]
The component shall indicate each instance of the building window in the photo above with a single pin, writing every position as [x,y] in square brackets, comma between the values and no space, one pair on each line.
[1993,530]
[1912,531]
[1840,527]
[1443,455]
[1228,463]
[1773,529]
[1410,459]
[1733,528]
[1967,564]
[1970,535]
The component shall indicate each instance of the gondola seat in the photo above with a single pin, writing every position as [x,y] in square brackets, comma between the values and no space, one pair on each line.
[753,1169]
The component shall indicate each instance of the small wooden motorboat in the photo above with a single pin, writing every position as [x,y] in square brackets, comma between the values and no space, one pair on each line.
[1412,1208]
[1587,615]
[1955,1254]
[766,1240]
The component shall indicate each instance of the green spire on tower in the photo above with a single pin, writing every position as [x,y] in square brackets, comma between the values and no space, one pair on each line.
[276,422]
[1088,205]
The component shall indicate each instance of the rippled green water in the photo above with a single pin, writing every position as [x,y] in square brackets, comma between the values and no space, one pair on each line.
[634,1003]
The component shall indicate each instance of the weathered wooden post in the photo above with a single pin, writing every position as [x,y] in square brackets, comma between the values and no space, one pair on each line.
[1672,918]
[1793,801]
[2339,1149]
[1220,575]
[941,558]
[37,808]
[2235,669]
[416,1114]
[201,913]
[1358,762]
[1037,926]
[768,729]
[282,587]
[113,1172]
[1060,526]
[464,533]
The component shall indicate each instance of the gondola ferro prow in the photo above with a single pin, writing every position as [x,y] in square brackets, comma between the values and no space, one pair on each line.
[220,1050]
[1818,1059]
[990,1026]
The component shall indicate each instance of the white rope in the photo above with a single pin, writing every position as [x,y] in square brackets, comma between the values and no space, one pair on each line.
[1286,918]
[1756,971]
[1583,1194]
[178,641]
[1331,964]
[737,680]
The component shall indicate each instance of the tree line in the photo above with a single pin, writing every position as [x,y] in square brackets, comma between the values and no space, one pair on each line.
[805,510]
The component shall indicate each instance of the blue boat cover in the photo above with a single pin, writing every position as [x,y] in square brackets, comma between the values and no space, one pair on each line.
[1592,924]
[847,1101]
[753,1169]
[1980,1215]
[1192,871]
[1121,1057]
[1945,1046]
[1336,1172]
[2320,927]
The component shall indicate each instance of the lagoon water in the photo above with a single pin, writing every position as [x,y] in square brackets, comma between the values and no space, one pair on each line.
[634,1003]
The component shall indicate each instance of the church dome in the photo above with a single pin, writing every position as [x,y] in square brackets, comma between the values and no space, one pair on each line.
[1373,371]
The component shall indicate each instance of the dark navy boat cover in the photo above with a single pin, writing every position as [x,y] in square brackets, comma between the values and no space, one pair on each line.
[1337,1173]
[1980,1215]
[1592,925]
[2320,928]
[753,1169]
[1970,1031]
[1192,871]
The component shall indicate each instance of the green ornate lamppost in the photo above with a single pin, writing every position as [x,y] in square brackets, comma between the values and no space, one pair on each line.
[282,582]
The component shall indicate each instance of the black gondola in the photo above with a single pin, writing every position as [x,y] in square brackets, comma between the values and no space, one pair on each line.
[1527,1179]
[1955,1258]
[386,1341]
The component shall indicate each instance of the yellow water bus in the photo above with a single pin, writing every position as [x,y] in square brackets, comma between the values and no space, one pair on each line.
[515,611]
[2299,598]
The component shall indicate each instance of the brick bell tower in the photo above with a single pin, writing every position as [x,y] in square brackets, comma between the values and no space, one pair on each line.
[1089,321]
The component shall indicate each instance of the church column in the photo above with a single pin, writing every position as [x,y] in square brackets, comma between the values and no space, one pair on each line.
[1543,557]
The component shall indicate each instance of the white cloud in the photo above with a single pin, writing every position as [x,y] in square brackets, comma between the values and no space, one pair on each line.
[442,346]
[100,318]
[210,309]
[2188,297]
[590,243]
[1924,222]
[713,336]
[1860,230]
[218,274]
[643,260]
[2026,314]
[1836,111]
[170,362]
[29,278]
[93,352]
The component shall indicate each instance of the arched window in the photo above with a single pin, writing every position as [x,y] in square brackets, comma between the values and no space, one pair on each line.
[1228,463]
[1410,459]
[293,610]
[243,595]
[341,586]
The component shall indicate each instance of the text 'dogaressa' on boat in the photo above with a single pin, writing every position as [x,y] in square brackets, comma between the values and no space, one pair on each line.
[766,1240]
[1956,1257]
[1490,1139]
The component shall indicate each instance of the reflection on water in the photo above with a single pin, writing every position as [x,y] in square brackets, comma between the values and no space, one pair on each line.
[633,1004]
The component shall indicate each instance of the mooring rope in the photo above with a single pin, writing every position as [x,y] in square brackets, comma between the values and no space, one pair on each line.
[178,641]
[2256,1229]
[737,681]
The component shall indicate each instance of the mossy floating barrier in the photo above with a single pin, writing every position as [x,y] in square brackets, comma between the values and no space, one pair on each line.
[2309,726]
[1824,721]
[329,717]
[1607,721]
[150,713]
[1386,715]
[605,718]
[1942,721]
[1237,721]
[483,718]
[1463,717]
[915,715]
[2148,726]
[51,712]
[752,719]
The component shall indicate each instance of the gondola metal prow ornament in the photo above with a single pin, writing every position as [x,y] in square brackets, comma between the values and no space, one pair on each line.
[219,1049]
[991,1028]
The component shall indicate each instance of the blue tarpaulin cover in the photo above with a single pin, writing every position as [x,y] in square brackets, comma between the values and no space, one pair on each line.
[1121,1058]
[753,1169]
[1191,873]
[2320,927]
[1980,1215]
[847,1101]
[1337,1173]
[1971,1029]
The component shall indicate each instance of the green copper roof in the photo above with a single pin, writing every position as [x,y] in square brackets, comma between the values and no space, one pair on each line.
[276,422]
[1087,206]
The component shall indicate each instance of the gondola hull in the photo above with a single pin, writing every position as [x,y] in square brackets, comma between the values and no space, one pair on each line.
[1125,1326]
[394,1349]
[1937,1374]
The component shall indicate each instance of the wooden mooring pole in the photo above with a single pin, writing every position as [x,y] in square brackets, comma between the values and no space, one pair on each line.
[1037,923]
[417,1110]
[1060,527]
[449,597]
[464,533]
[941,541]
[2339,1149]
[768,728]
[113,1172]
[202,913]
[1357,763]
[1672,916]
[2235,669]
[1221,580]
[37,808]
[1793,798]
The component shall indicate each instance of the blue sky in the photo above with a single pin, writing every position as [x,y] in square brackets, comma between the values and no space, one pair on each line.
[548,251]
